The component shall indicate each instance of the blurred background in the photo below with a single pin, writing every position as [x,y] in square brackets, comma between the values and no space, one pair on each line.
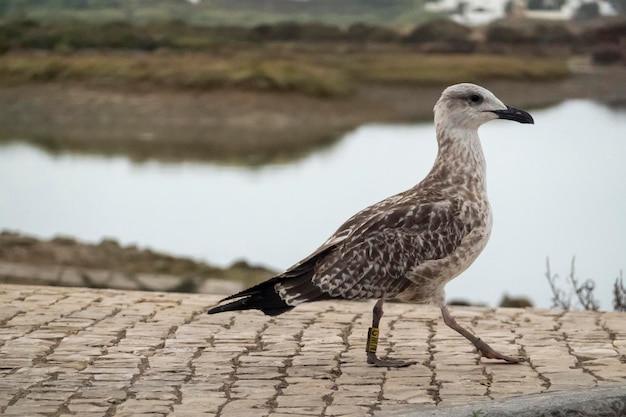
[201,146]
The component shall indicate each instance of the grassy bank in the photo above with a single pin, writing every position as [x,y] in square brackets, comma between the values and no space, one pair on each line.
[331,74]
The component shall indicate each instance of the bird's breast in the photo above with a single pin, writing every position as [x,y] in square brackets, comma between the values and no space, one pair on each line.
[430,276]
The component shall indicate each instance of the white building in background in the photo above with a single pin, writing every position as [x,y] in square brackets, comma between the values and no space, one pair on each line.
[569,9]
[482,12]
[469,12]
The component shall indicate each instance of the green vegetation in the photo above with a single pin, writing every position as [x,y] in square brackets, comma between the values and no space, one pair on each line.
[188,70]
[310,58]
[179,35]
[325,74]
[442,69]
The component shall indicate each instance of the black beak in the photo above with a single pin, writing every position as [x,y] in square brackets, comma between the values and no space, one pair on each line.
[511,113]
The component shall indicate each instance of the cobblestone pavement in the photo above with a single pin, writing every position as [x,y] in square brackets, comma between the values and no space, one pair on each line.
[92,353]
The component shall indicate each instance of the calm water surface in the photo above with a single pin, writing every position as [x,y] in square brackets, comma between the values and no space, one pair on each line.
[557,189]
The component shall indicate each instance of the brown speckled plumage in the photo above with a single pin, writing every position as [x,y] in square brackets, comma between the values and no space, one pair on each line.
[411,244]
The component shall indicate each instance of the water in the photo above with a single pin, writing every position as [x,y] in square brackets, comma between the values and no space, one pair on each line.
[557,189]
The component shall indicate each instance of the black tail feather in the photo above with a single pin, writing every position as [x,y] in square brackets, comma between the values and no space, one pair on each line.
[261,287]
[260,297]
[295,282]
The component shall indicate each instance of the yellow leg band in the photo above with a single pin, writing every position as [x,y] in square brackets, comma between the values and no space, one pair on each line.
[372,340]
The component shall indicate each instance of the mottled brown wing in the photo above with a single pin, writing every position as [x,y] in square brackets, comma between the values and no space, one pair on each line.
[379,252]
[370,215]
[309,262]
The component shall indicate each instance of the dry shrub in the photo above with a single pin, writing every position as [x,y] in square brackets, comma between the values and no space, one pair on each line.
[582,291]
[442,36]
[606,54]
[362,32]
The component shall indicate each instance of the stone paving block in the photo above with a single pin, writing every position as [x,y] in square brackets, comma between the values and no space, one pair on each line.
[244,408]
[181,410]
[85,408]
[313,400]
[300,410]
[346,411]
[407,394]
[365,401]
[259,394]
[300,386]
[208,401]
[288,414]
[86,414]
[27,407]
[133,407]
[103,353]
[57,396]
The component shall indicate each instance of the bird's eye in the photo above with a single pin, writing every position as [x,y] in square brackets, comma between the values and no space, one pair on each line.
[475,98]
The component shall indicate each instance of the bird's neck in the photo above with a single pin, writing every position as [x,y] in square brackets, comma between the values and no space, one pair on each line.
[460,161]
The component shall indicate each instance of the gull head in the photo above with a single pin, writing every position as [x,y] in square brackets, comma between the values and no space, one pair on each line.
[467,106]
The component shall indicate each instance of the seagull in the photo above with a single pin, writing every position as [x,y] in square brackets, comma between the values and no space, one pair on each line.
[406,247]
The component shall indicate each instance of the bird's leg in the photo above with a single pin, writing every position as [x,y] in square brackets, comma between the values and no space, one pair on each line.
[484,349]
[372,342]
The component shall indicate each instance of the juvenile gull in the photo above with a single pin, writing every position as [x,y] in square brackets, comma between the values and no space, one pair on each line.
[407,246]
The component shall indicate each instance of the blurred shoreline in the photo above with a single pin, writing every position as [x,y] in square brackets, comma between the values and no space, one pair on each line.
[234,126]
[66,262]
